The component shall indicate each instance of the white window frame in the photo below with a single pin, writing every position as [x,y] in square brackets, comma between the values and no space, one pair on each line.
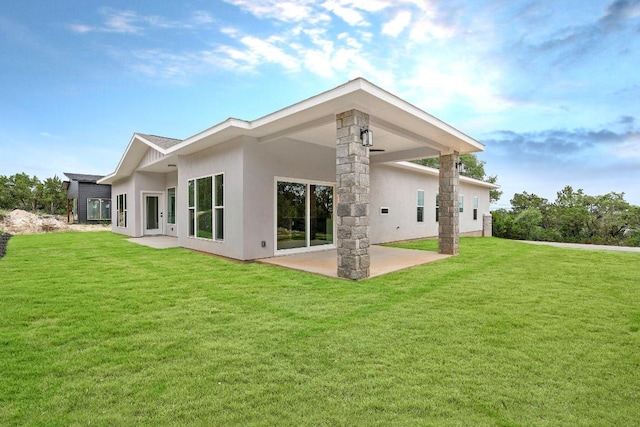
[475,208]
[419,206]
[121,208]
[308,247]
[175,205]
[192,219]
[460,203]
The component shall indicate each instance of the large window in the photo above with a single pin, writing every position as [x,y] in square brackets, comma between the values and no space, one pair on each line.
[171,205]
[206,219]
[121,207]
[305,215]
[420,204]
[98,209]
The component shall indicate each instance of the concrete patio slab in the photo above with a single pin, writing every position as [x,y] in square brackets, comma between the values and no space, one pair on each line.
[383,260]
[156,242]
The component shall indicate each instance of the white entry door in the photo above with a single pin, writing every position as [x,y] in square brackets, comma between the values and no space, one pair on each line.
[153,214]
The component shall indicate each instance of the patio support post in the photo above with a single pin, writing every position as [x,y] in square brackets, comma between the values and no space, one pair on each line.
[352,201]
[448,224]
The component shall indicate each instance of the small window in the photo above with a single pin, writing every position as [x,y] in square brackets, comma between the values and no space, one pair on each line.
[98,209]
[475,208]
[192,208]
[461,203]
[420,206]
[219,207]
[171,205]
[384,211]
[437,207]
[121,210]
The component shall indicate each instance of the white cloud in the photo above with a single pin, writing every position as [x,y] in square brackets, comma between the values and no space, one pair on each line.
[130,22]
[286,11]
[348,14]
[397,25]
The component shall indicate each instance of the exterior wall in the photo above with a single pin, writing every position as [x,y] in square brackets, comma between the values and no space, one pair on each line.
[146,182]
[125,186]
[225,158]
[397,189]
[469,226]
[262,164]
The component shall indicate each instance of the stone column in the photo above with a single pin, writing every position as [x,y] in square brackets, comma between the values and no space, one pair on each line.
[352,201]
[448,225]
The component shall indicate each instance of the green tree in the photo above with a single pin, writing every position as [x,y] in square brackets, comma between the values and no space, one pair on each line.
[473,168]
[24,191]
[53,196]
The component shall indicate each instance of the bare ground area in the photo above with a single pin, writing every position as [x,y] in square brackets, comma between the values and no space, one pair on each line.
[23,222]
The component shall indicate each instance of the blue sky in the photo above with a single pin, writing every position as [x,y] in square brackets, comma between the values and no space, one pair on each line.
[552,88]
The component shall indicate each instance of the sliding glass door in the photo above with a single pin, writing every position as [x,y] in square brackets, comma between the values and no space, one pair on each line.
[304,215]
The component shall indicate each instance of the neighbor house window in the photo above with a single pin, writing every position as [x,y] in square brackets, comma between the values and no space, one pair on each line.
[171,205]
[98,209]
[475,208]
[121,210]
[437,207]
[420,206]
[461,203]
[206,207]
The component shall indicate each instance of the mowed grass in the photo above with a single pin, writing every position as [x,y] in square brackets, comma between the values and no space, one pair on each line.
[95,330]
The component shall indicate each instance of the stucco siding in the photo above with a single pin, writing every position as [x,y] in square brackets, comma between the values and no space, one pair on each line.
[262,164]
[227,159]
[397,190]
[125,186]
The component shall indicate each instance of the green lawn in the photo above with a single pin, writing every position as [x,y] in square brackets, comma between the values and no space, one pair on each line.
[96,330]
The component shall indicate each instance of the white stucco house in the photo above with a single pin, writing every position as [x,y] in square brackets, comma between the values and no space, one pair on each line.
[304,178]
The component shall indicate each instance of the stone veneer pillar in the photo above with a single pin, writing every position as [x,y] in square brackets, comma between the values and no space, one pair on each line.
[448,225]
[352,201]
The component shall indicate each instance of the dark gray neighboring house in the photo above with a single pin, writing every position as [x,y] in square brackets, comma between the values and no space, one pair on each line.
[87,201]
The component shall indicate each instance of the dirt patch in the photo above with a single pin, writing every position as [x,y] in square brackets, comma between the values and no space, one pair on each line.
[23,222]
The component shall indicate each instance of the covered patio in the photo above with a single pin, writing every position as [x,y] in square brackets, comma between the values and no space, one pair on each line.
[384,260]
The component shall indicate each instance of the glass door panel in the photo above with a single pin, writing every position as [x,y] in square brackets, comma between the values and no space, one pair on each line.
[152,215]
[291,221]
[321,215]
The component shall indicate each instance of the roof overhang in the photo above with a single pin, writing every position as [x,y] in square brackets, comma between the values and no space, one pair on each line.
[401,131]
[414,167]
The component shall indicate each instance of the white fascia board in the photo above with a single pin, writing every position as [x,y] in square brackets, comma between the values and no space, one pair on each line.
[436,172]
[230,123]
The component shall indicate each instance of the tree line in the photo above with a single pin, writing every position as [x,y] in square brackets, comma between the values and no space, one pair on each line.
[574,217]
[21,191]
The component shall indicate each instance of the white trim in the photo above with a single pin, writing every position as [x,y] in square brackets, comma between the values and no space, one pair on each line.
[307,247]
[420,206]
[161,219]
[436,172]
[175,208]
[213,207]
